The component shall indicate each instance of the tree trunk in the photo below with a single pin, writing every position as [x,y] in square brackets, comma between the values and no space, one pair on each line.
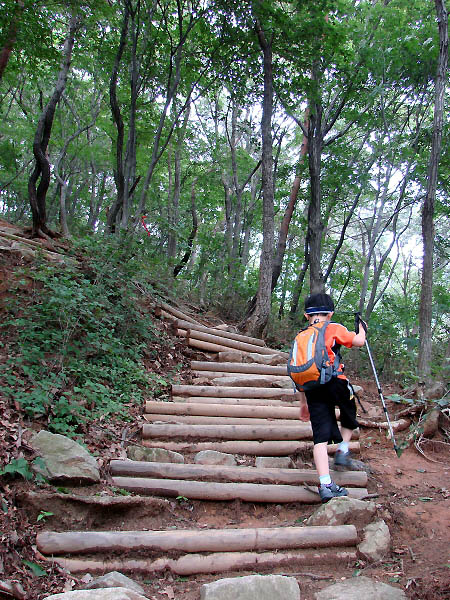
[315,225]
[183,262]
[5,52]
[284,227]
[426,296]
[118,121]
[37,195]
[256,323]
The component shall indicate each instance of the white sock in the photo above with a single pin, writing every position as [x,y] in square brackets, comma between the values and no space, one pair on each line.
[343,447]
[325,479]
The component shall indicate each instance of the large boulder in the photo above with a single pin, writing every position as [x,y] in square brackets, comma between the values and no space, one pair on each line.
[114,579]
[344,511]
[376,541]
[213,457]
[64,459]
[117,593]
[154,455]
[262,587]
[360,588]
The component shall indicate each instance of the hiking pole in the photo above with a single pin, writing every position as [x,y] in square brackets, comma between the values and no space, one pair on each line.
[358,320]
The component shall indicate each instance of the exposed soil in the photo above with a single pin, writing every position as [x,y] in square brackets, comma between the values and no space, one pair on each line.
[413,498]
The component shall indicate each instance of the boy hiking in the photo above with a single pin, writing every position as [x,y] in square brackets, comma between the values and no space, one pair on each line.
[330,389]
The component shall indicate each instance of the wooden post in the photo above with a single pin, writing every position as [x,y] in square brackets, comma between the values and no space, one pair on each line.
[268,448]
[228,367]
[134,468]
[230,392]
[219,332]
[297,431]
[219,562]
[208,490]
[212,540]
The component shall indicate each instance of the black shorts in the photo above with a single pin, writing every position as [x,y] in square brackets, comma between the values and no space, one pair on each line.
[321,404]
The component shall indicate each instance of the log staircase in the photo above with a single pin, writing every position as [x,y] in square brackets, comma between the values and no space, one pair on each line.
[247,409]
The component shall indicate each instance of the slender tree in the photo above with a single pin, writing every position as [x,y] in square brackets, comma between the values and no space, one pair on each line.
[426,297]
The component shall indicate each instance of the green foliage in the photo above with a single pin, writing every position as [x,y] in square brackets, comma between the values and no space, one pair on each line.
[35,568]
[18,466]
[44,514]
[79,340]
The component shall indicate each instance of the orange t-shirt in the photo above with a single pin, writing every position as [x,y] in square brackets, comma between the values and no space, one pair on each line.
[338,334]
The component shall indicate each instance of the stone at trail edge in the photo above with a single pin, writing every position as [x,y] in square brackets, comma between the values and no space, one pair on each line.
[251,587]
[376,541]
[65,460]
[114,579]
[273,462]
[213,457]
[154,455]
[343,511]
[360,588]
[117,593]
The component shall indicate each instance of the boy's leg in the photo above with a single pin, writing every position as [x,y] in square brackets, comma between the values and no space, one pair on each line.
[347,406]
[323,422]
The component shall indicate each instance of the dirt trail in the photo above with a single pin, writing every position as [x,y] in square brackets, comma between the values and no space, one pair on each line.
[410,494]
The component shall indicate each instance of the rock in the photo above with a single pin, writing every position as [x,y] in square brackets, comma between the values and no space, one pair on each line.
[117,593]
[431,423]
[250,587]
[435,391]
[65,460]
[114,579]
[360,588]
[355,465]
[376,541]
[273,462]
[344,511]
[154,455]
[264,359]
[212,457]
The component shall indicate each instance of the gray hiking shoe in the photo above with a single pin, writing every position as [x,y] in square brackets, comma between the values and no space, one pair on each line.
[343,460]
[332,490]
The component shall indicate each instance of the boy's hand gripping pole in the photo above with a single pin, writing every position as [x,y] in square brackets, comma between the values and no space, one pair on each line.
[359,321]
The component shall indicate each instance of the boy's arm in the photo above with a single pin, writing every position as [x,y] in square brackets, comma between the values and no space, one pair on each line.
[304,412]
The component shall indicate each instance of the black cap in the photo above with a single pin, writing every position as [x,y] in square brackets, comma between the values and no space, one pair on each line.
[319,304]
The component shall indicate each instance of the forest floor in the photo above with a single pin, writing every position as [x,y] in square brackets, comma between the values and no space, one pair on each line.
[413,498]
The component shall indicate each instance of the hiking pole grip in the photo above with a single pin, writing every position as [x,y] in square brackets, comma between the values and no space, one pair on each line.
[358,322]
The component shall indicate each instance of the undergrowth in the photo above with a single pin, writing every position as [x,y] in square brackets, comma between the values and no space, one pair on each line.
[77,337]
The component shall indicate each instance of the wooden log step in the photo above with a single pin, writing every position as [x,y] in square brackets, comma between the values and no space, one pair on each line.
[191,540]
[298,431]
[220,340]
[237,401]
[218,562]
[200,420]
[134,468]
[180,324]
[208,490]
[177,313]
[251,448]
[160,312]
[248,378]
[222,410]
[229,367]
[231,392]
[206,346]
